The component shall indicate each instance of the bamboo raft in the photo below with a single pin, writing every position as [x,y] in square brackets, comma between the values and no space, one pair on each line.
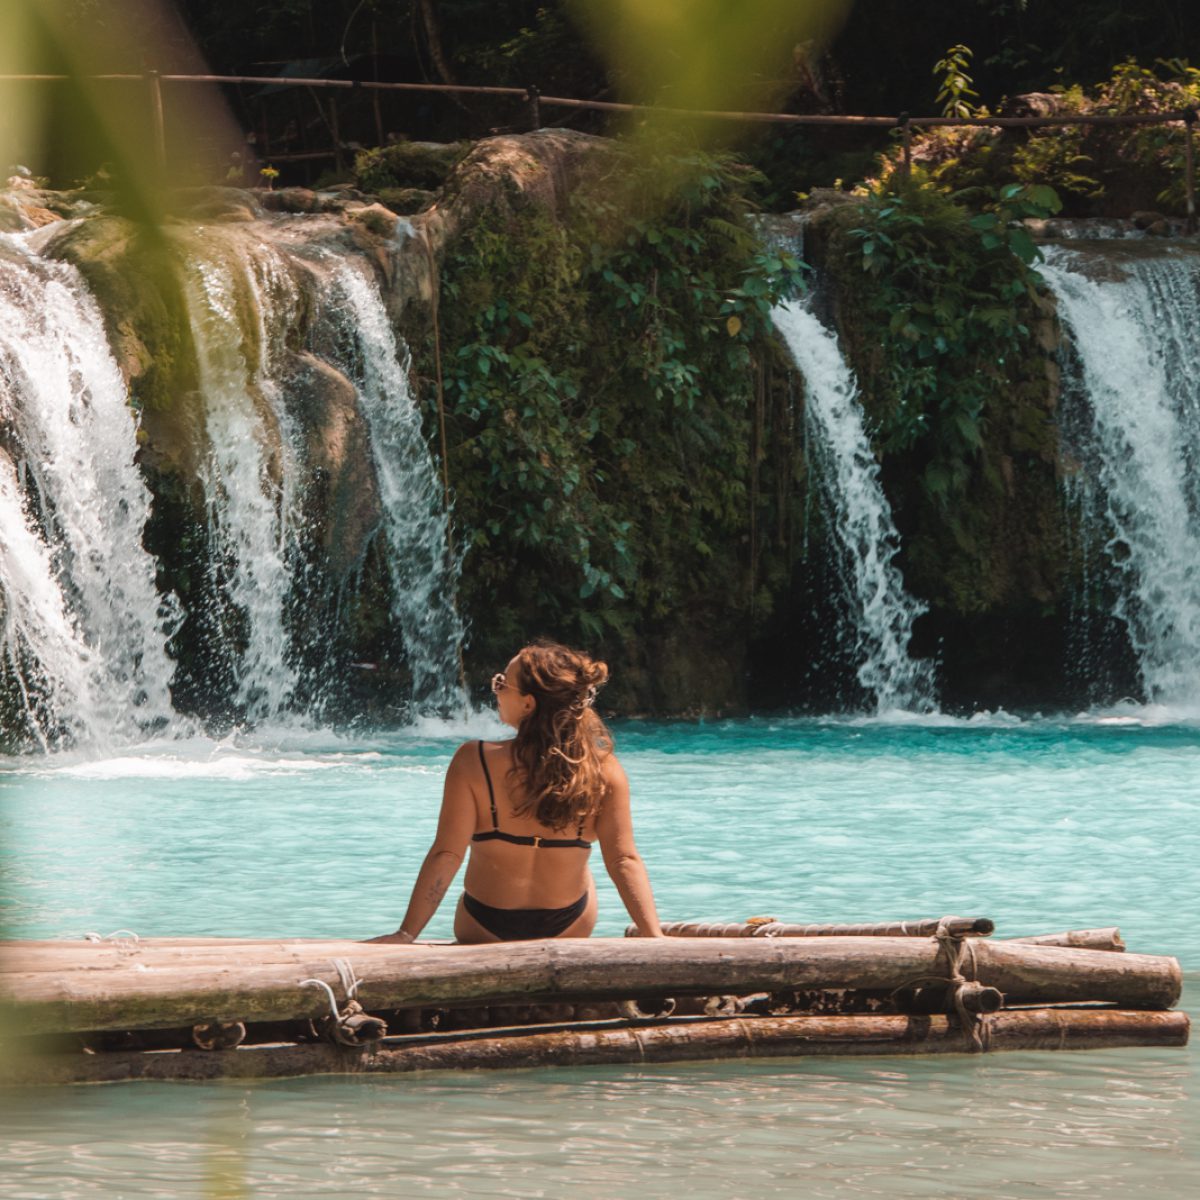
[125,1008]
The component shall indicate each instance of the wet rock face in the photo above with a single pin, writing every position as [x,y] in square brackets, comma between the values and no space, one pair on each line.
[341,499]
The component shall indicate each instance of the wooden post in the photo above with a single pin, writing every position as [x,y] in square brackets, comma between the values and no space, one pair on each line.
[1189,160]
[533,98]
[336,132]
[264,133]
[906,135]
[375,104]
[157,120]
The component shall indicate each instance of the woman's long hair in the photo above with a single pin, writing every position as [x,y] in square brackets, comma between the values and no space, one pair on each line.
[560,747]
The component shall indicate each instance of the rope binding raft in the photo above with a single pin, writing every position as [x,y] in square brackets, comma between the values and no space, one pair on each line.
[350,1025]
[972,1000]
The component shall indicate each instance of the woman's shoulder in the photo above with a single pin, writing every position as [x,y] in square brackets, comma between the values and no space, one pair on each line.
[470,751]
[611,769]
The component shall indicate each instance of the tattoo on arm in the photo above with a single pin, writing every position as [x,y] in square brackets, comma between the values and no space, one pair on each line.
[437,889]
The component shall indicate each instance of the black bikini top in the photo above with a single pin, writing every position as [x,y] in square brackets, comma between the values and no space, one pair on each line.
[496,834]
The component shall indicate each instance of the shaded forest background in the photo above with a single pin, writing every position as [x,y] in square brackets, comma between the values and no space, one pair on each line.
[879,59]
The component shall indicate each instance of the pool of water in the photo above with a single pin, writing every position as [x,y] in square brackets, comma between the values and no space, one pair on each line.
[1042,825]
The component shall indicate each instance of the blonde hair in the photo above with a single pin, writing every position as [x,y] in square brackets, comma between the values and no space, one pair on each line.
[560,747]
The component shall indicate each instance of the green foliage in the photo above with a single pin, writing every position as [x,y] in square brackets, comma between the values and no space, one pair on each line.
[955,92]
[1055,155]
[946,295]
[1098,170]
[1001,224]
[598,378]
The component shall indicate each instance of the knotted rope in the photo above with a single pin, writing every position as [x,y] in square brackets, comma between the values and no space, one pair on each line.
[976,1026]
[349,1025]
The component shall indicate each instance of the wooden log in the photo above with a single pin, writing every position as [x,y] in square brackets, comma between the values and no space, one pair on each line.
[141,997]
[24,957]
[670,1041]
[1082,939]
[770,927]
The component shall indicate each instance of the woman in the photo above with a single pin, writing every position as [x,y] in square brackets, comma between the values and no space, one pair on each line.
[530,808]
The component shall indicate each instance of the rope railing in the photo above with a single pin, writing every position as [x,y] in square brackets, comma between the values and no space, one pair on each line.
[536,101]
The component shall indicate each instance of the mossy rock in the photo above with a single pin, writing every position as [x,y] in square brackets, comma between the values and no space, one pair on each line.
[133,273]
[216,204]
[375,219]
[11,220]
[406,200]
[425,165]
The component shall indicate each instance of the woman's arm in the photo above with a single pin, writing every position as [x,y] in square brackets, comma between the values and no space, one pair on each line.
[456,823]
[614,827]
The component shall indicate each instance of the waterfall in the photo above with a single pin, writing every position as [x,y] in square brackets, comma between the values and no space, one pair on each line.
[84,628]
[882,611]
[84,632]
[1136,395]
[242,298]
[239,296]
[48,661]
[423,574]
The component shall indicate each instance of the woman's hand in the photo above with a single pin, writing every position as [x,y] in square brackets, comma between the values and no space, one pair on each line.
[400,938]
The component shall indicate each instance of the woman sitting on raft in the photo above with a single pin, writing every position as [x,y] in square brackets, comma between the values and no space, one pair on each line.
[530,808]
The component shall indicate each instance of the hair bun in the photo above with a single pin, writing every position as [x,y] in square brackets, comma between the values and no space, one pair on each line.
[595,673]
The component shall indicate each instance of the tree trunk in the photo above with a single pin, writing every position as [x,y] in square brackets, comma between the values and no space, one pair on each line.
[433,37]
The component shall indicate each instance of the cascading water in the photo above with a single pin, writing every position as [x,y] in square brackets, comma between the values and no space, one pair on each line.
[422,570]
[48,662]
[288,455]
[238,296]
[883,612]
[1138,385]
[84,629]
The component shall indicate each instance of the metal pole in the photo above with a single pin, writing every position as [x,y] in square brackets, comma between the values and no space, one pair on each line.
[534,98]
[158,120]
[906,134]
[1189,160]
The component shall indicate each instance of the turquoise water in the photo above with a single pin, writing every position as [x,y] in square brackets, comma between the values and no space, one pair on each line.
[1042,825]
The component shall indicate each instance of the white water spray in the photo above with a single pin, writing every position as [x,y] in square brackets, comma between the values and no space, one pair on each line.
[883,612]
[238,297]
[82,615]
[1139,354]
[423,573]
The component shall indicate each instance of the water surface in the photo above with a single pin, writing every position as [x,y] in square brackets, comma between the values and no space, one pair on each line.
[1041,825]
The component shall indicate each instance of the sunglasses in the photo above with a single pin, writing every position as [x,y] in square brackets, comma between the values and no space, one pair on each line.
[499,683]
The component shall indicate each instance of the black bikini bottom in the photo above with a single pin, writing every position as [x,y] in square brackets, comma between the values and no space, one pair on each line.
[524,924]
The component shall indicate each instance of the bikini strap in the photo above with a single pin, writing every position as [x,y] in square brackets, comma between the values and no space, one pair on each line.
[491,792]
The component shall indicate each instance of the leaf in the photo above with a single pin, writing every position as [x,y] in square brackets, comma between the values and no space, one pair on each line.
[1045,197]
[734,325]
[1023,246]
[968,430]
